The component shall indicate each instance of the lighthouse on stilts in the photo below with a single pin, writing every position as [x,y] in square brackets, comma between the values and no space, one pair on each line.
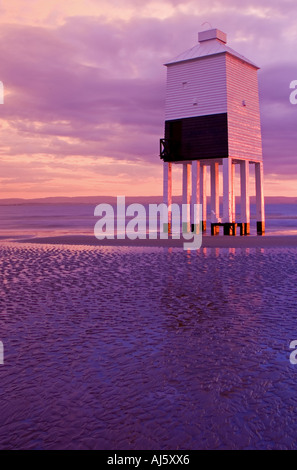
[212,119]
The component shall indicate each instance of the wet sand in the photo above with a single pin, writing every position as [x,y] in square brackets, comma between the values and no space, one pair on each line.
[147,348]
[207,241]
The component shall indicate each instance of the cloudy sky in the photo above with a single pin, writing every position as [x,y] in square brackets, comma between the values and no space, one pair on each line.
[85,88]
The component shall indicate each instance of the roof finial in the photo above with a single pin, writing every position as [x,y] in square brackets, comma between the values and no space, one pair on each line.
[207,22]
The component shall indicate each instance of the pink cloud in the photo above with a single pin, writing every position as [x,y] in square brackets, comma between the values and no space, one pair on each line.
[97,89]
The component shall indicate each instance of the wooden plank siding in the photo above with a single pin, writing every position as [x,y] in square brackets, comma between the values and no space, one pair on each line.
[204,112]
[202,80]
[244,127]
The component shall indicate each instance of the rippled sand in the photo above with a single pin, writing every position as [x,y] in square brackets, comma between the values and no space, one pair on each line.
[147,348]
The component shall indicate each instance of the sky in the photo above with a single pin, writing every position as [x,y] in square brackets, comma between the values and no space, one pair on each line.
[84,90]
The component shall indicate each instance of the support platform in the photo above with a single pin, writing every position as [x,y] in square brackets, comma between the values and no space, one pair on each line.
[195,180]
[230,228]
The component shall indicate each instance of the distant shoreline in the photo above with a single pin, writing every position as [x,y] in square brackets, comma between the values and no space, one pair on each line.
[68,200]
[208,241]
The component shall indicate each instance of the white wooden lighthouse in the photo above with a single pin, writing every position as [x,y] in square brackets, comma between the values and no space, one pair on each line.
[212,119]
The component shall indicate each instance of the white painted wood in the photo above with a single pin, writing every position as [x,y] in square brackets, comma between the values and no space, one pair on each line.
[186,197]
[202,82]
[212,34]
[260,215]
[227,190]
[244,186]
[167,191]
[244,127]
[167,183]
[233,192]
[195,200]
[212,79]
[203,191]
[214,185]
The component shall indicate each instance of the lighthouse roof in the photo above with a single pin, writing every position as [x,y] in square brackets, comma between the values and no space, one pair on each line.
[210,43]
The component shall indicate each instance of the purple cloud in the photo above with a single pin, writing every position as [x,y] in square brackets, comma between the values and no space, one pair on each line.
[95,88]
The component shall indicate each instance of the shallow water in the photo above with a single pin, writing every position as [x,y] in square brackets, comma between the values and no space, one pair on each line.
[131,348]
[29,220]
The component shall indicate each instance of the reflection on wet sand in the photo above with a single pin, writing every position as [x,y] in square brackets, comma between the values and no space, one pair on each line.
[137,348]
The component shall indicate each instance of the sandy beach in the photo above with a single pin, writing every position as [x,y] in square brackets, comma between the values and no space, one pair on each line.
[140,344]
[124,347]
[207,241]
[142,123]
